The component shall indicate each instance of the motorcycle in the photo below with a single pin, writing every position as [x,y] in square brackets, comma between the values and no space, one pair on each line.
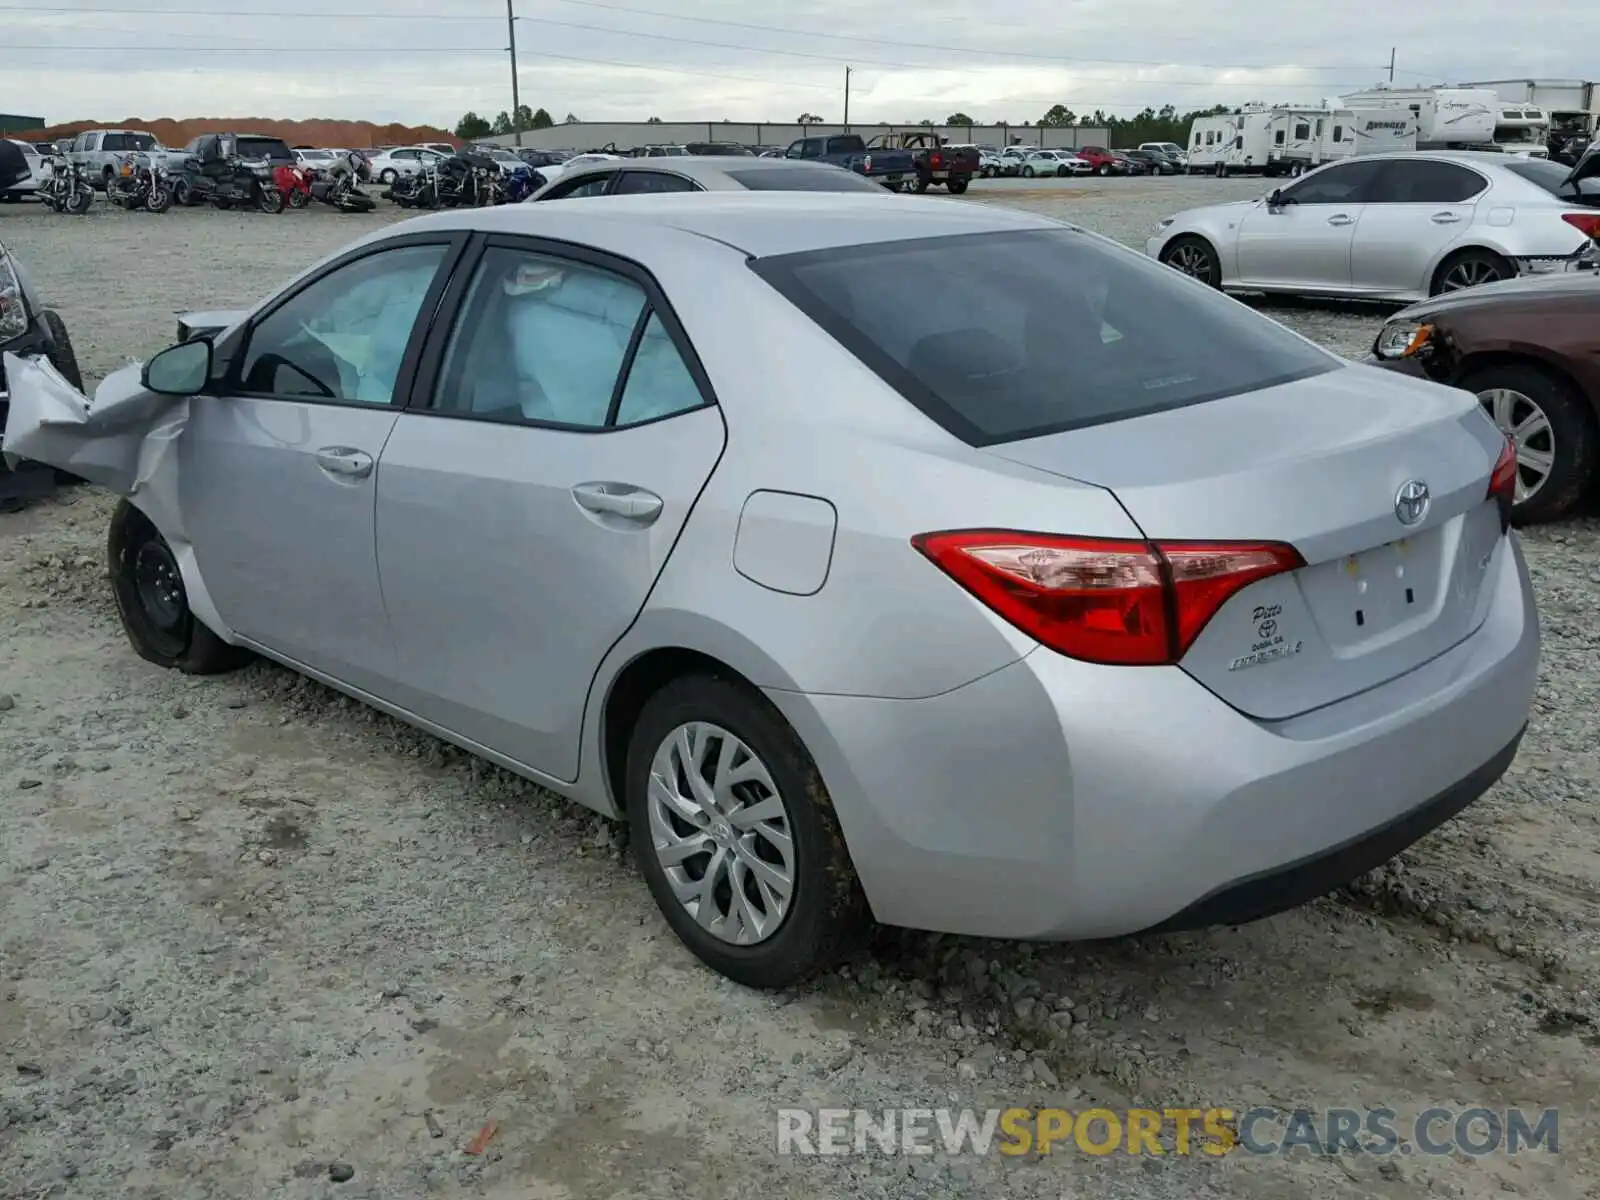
[138,183]
[295,183]
[67,190]
[470,180]
[420,190]
[226,182]
[338,187]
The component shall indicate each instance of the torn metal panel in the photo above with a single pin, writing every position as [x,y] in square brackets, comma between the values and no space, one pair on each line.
[124,440]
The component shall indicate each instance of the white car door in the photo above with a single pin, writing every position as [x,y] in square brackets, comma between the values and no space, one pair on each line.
[530,495]
[1304,240]
[1417,210]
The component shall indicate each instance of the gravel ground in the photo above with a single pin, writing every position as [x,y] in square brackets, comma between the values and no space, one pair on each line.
[252,929]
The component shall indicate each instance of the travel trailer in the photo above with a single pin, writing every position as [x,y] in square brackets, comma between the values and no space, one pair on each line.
[1302,138]
[1232,144]
[1447,118]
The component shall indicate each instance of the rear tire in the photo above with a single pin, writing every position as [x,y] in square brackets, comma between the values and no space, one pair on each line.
[154,608]
[78,203]
[1195,257]
[269,200]
[1027,172]
[1531,396]
[299,199]
[957,186]
[824,915]
[1103,170]
[1469,268]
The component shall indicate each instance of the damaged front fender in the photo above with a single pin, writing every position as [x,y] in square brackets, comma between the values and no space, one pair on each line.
[124,440]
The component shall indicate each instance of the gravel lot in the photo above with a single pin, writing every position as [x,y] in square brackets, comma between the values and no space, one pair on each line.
[252,929]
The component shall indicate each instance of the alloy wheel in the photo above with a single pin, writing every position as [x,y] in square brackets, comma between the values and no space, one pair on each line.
[1192,260]
[1530,431]
[1469,272]
[721,833]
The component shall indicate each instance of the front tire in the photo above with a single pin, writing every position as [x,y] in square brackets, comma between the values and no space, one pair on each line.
[1195,257]
[159,200]
[736,835]
[1027,172]
[269,200]
[62,356]
[1103,170]
[387,176]
[148,589]
[1557,446]
[79,201]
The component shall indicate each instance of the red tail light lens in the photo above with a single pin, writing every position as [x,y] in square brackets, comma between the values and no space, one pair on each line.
[1503,482]
[1105,600]
[1586,223]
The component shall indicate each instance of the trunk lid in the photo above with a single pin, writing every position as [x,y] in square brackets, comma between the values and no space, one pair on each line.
[1320,464]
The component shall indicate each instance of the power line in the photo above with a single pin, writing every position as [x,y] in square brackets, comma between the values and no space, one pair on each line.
[898,43]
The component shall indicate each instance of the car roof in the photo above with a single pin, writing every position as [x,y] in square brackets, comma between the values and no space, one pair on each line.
[702,168]
[759,224]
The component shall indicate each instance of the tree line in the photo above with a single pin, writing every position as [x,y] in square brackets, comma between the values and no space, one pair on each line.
[1165,124]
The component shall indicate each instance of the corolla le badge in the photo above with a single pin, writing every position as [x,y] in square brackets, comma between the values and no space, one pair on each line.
[1411,502]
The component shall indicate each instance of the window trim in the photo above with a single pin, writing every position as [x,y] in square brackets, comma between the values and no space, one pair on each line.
[230,383]
[430,365]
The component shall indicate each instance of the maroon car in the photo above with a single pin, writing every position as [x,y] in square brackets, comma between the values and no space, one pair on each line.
[1530,349]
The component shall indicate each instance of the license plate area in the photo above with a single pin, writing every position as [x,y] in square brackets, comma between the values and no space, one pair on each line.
[1377,594]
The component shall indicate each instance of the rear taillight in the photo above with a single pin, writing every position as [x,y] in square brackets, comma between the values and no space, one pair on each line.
[937,160]
[1587,224]
[1503,482]
[1104,600]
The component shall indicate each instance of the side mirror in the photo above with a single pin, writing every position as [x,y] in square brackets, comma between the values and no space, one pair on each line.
[1275,199]
[181,370]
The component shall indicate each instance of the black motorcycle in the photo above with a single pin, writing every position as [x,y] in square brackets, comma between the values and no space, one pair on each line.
[139,182]
[418,190]
[337,186]
[226,183]
[470,180]
[67,190]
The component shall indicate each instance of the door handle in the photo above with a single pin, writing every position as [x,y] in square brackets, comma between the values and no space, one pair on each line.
[1445,218]
[345,460]
[618,500]
[1340,219]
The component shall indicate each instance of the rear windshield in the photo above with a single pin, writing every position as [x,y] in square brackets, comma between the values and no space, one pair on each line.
[803,179]
[1550,176]
[259,147]
[1004,336]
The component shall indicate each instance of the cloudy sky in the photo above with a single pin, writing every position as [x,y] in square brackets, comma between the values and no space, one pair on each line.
[400,60]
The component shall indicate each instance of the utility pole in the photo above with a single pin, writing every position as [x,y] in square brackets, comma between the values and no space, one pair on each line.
[516,98]
[847,99]
[1391,64]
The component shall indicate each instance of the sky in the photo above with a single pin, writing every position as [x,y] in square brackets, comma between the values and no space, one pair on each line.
[700,60]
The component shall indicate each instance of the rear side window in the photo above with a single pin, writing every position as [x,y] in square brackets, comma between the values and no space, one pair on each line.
[1551,177]
[1426,181]
[114,141]
[799,179]
[1004,336]
[263,148]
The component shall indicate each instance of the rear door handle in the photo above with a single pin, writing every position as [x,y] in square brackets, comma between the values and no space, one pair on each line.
[618,500]
[345,460]
[1445,218]
[1340,219]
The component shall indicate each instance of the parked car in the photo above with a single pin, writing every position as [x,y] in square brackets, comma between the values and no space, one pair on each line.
[719,149]
[389,165]
[1152,162]
[1102,161]
[1052,162]
[23,175]
[1172,150]
[98,152]
[892,168]
[624,177]
[28,329]
[1530,350]
[624,556]
[990,163]
[1393,227]
[1131,165]
[936,162]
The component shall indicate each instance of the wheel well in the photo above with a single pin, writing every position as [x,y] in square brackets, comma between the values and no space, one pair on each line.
[632,689]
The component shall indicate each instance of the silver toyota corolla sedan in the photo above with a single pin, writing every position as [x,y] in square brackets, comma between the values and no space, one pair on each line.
[1018,587]
[1399,226]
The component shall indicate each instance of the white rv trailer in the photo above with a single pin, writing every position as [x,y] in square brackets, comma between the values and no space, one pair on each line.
[1303,138]
[1231,144]
[1447,118]
[1571,104]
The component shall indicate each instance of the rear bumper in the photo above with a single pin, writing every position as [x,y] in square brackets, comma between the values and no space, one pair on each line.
[1056,799]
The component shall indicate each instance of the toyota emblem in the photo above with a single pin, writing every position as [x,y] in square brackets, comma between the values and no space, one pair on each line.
[1411,502]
